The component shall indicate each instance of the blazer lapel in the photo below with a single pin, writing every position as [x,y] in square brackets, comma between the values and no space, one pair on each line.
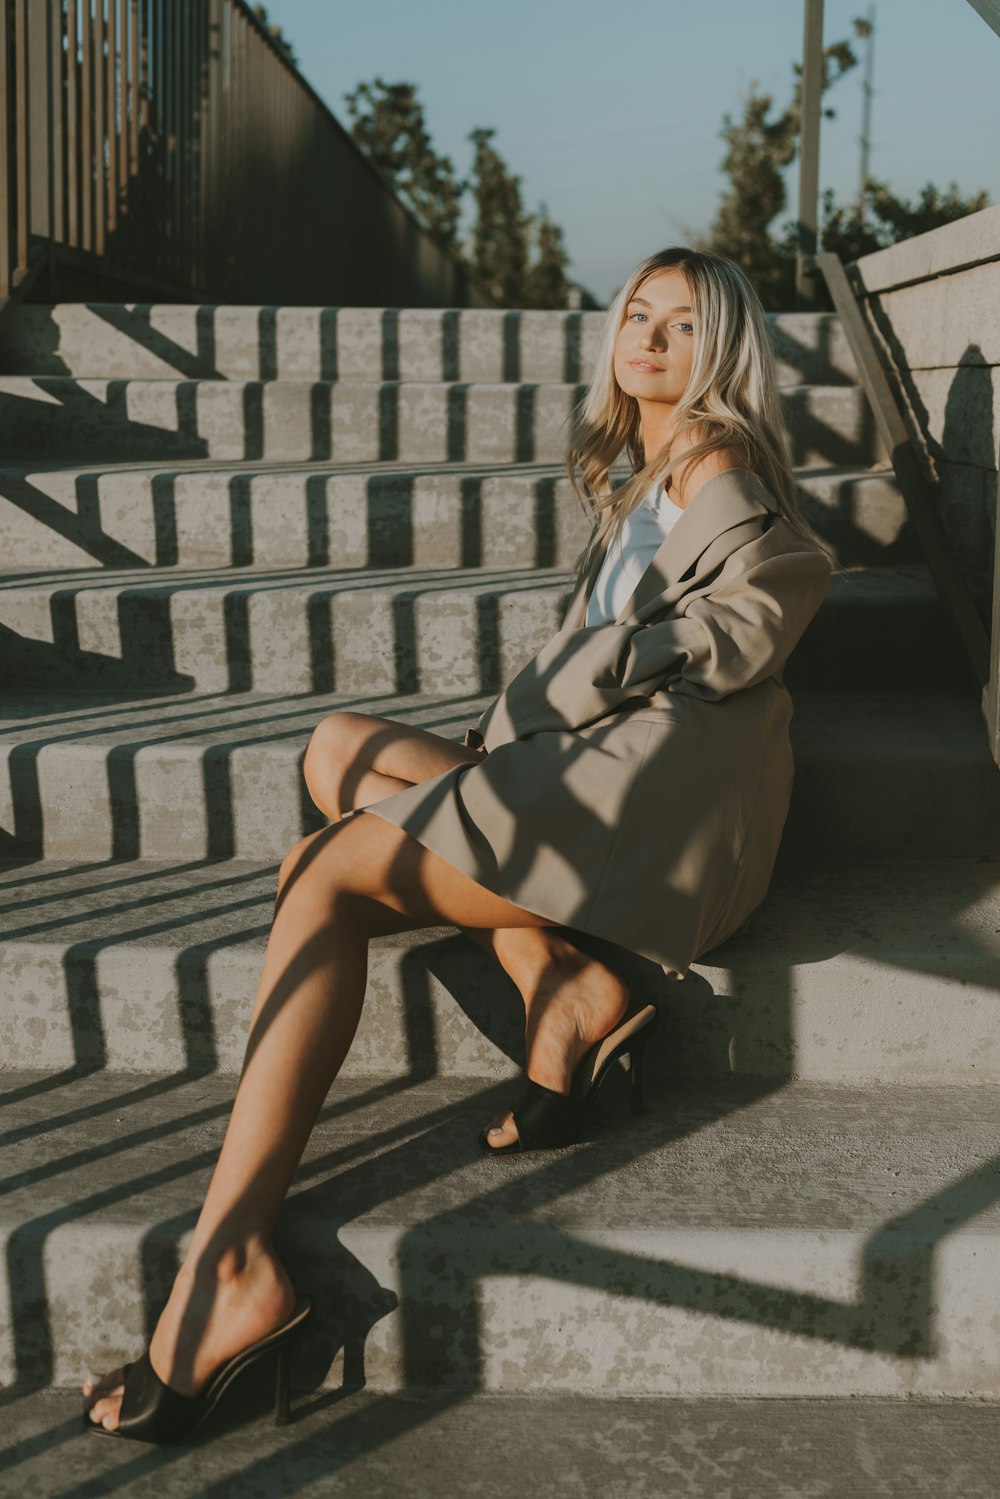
[725,501]
[735,495]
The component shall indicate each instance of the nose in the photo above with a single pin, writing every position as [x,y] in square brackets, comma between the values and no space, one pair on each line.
[650,336]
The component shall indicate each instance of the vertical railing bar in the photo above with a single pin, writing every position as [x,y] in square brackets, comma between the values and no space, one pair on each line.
[72,128]
[123,133]
[100,199]
[185,141]
[146,228]
[110,116]
[6,156]
[57,125]
[177,139]
[157,105]
[86,134]
[133,114]
[23,191]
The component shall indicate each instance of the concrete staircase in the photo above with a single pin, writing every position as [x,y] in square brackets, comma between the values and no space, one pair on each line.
[219,523]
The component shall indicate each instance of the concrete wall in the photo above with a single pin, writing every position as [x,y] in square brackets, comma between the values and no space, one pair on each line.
[934,302]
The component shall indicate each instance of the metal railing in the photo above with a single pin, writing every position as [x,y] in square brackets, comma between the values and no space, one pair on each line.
[168,145]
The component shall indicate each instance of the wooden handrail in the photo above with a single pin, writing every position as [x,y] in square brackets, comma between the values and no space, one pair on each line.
[917,488]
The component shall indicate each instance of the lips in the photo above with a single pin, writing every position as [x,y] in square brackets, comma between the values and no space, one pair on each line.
[645,364]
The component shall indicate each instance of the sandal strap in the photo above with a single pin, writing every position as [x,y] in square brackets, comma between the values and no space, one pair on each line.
[544,1117]
[150,1409]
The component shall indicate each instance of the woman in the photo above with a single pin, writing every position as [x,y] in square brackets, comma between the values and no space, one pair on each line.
[631,782]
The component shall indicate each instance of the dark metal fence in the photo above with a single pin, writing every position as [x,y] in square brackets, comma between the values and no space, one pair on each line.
[167,146]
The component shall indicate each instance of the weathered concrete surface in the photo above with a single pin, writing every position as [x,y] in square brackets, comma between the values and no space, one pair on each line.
[411,629]
[849,973]
[933,311]
[359,421]
[966,242]
[877,775]
[211,514]
[356,343]
[739,1240]
[494,1447]
[937,318]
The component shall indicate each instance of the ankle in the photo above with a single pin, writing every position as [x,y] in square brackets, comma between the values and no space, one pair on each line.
[532,956]
[243,1259]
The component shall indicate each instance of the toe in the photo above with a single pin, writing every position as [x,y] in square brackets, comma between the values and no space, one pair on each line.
[105,1412]
[108,1384]
[502,1132]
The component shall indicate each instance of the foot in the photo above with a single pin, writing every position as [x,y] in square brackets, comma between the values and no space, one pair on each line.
[210,1316]
[575,1002]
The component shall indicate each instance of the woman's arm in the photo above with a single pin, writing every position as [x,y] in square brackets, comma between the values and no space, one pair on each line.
[733,637]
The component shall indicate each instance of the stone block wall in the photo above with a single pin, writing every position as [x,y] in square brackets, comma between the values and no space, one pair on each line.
[934,305]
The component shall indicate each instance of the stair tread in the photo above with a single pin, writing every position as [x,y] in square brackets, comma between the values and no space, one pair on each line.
[825,723]
[50,467]
[424,1444]
[936,911]
[706,1158]
[877,584]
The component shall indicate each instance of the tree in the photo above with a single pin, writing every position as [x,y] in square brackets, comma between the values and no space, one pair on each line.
[276,34]
[759,147]
[546,284]
[498,252]
[518,259]
[389,126]
[894,218]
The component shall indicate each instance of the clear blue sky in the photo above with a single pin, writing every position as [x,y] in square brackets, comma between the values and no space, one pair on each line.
[610,113]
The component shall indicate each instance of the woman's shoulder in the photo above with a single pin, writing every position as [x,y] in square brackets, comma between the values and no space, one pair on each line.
[689,477]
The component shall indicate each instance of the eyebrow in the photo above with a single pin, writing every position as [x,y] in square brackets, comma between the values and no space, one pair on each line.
[649,304]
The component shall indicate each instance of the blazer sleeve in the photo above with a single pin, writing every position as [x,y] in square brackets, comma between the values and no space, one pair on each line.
[727,639]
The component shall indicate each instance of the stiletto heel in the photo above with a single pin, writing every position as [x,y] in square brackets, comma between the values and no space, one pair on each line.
[153,1412]
[637,1100]
[281,1397]
[545,1119]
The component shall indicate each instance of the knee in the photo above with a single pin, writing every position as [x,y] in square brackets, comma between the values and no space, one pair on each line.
[293,862]
[333,742]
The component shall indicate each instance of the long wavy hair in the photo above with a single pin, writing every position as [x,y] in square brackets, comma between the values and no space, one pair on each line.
[731,397]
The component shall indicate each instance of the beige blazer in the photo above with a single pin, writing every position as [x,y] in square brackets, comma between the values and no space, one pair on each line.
[635,776]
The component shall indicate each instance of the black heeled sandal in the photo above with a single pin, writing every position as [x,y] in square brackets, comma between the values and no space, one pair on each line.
[546,1120]
[152,1412]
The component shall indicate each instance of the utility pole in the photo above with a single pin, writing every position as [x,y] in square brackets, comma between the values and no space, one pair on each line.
[806,286]
[867,30]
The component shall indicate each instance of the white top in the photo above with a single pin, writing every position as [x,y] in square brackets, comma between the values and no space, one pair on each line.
[626,560]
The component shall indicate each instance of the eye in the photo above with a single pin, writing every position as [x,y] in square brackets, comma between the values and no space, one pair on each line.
[686,325]
[635,315]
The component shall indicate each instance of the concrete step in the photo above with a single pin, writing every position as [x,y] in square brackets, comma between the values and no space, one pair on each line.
[189,777]
[356,343]
[424,1443]
[849,973]
[199,514]
[738,1240]
[357,421]
[394,630]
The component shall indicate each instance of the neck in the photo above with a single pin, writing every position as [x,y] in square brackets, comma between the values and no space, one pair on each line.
[657,420]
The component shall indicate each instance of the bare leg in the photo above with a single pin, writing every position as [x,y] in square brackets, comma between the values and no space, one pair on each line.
[355,759]
[339,888]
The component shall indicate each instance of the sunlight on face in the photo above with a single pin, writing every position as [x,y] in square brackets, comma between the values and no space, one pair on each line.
[655,345]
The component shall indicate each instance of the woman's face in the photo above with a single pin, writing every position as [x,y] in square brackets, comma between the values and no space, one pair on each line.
[655,344]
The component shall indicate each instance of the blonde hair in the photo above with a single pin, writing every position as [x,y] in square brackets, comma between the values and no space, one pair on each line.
[732,396]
